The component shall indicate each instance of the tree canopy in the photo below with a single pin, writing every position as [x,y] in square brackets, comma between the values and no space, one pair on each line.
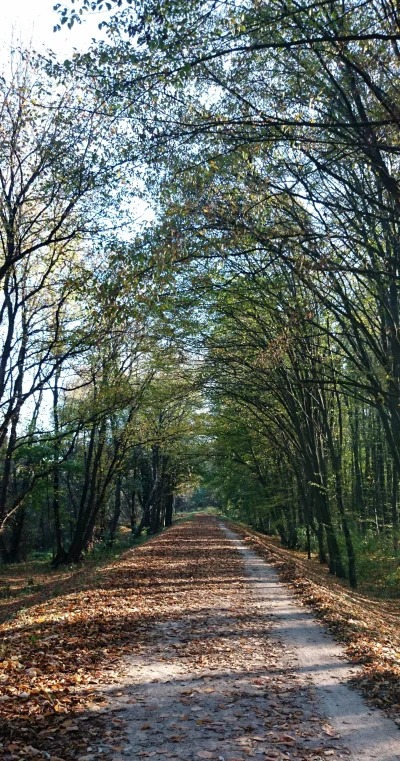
[244,337]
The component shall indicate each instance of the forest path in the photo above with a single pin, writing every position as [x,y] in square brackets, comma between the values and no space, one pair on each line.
[243,672]
[187,647]
[364,731]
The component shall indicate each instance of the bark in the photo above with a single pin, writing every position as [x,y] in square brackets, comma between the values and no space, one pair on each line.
[60,551]
[395,516]
[117,509]
[14,554]
[133,511]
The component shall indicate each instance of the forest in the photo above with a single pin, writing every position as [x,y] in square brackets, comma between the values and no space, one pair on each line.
[200,279]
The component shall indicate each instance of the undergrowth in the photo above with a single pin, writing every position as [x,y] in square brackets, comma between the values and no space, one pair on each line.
[378,566]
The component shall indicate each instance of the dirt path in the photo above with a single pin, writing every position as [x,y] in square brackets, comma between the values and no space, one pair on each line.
[244,673]
[365,731]
[200,655]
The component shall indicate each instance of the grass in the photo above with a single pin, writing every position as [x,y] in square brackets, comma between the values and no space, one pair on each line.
[378,566]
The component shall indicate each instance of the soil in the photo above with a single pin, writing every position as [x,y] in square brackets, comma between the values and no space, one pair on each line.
[206,655]
[364,730]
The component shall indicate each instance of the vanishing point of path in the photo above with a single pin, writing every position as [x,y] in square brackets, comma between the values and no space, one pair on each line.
[239,670]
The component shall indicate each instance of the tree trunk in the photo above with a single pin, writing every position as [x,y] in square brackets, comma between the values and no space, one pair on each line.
[117,509]
[60,551]
[169,506]
[14,555]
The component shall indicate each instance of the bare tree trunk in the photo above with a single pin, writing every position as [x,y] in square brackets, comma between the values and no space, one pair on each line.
[117,509]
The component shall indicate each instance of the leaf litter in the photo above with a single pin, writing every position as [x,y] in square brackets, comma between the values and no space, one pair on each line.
[368,628]
[165,655]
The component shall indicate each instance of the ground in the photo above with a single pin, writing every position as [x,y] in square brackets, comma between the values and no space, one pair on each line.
[368,626]
[175,650]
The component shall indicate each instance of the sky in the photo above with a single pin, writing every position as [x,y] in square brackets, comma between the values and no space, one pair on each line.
[32,21]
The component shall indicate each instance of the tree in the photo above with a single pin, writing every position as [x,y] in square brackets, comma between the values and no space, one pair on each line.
[59,164]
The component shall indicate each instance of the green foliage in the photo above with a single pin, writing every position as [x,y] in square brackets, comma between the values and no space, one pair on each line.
[241,352]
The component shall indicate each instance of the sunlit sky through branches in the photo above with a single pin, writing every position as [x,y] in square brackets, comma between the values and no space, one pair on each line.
[32,21]
[30,24]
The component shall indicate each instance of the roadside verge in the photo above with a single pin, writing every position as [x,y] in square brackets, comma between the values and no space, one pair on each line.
[368,628]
